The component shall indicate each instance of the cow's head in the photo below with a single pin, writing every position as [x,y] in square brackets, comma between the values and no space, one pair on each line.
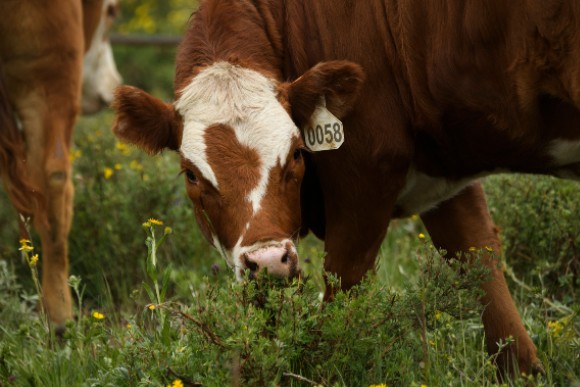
[100,75]
[237,132]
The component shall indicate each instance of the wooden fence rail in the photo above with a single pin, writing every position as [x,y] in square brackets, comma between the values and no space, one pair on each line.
[143,40]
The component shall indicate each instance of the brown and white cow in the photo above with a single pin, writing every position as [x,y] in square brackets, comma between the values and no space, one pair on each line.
[432,96]
[42,49]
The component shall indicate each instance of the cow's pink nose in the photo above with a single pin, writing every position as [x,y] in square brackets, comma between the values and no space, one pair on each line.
[278,261]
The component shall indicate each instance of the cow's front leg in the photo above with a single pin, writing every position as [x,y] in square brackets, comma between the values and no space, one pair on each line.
[48,143]
[463,222]
[54,238]
[357,218]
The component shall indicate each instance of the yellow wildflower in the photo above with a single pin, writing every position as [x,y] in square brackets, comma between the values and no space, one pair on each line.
[98,316]
[168,230]
[135,165]
[118,166]
[154,221]
[151,306]
[488,248]
[177,383]
[421,235]
[378,385]
[108,172]
[122,147]
[129,326]
[26,248]
[472,248]
[74,154]
[24,241]
[438,315]
[33,260]
[555,328]
[146,225]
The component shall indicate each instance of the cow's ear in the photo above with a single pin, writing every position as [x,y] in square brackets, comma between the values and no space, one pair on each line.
[145,121]
[339,82]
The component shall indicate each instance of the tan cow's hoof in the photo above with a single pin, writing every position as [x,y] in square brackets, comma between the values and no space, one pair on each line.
[537,368]
[59,330]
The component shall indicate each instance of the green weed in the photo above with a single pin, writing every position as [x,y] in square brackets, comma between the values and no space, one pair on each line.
[413,322]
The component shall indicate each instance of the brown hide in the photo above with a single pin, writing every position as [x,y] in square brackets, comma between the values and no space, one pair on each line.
[91,17]
[41,58]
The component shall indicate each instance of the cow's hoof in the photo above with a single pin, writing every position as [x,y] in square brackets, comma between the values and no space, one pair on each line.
[59,330]
[537,368]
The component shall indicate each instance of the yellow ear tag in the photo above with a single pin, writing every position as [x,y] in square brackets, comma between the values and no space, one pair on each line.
[325,131]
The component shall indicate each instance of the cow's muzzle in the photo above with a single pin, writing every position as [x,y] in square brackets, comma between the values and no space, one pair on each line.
[278,260]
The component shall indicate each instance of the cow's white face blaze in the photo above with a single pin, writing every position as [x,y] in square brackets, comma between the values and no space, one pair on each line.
[241,156]
[237,133]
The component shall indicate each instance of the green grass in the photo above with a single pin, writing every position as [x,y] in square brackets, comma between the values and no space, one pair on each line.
[414,322]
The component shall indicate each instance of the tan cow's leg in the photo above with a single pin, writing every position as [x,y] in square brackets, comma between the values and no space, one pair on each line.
[54,236]
[48,133]
[43,80]
[463,222]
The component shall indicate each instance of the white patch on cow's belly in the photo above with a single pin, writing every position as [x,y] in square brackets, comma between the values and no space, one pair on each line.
[566,155]
[422,192]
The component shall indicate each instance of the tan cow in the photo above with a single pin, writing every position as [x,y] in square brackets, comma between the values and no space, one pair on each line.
[454,90]
[42,45]
[100,75]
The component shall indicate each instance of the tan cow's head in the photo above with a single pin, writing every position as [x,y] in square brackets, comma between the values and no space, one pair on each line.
[100,75]
[237,132]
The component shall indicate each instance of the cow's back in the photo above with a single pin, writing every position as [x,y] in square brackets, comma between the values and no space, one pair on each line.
[466,87]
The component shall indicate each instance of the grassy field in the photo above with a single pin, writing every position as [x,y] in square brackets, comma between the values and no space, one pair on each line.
[181,321]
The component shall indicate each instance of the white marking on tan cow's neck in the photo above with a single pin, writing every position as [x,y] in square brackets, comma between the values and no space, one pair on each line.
[244,100]
[100,74]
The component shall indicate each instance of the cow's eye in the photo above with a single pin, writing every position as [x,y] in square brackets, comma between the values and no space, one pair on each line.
[297,153]
[191,178]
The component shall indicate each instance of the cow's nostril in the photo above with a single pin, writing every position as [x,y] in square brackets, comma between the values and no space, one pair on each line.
[253,266]
[277,260]
[285,258]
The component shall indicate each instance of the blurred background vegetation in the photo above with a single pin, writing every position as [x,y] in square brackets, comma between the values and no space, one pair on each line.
[151,67]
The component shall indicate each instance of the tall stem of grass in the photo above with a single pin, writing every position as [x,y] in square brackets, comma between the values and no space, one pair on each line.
[157,292]
[31,259]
